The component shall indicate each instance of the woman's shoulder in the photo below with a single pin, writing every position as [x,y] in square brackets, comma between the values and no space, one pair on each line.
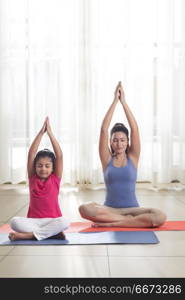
[133,159]
[109,163]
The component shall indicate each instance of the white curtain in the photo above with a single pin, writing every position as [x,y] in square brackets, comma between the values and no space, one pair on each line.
[63,58]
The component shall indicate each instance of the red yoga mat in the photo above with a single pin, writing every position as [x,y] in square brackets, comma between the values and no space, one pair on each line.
[87,227]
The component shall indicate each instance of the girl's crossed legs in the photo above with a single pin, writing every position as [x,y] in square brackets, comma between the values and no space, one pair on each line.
[104,216]
[37,228]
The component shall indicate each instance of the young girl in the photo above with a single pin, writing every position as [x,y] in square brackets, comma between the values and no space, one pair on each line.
[44,218]
[119,163]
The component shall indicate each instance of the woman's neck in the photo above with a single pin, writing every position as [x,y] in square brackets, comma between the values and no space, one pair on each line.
[120,157]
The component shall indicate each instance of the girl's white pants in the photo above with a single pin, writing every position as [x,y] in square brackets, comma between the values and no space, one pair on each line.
[41,228]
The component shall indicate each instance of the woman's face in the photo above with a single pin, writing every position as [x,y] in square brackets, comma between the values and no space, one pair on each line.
[119,142]
[44,167]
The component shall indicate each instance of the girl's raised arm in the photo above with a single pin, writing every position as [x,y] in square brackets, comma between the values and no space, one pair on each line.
[33,150]
[58,168]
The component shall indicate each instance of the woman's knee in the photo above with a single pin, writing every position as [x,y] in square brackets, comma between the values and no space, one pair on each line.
[88,210]
[158,218]
[81,209]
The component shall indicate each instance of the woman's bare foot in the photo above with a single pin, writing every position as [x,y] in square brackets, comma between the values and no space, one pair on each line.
[104,224]
[125,220]
[14,236]
[59,236]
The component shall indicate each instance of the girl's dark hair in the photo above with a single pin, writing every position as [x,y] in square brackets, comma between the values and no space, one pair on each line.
[45,153]
[120,127]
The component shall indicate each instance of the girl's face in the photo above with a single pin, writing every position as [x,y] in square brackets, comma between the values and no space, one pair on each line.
[44,167]
[119,142]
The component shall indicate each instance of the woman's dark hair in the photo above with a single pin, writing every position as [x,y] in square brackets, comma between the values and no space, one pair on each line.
[120,127]
[45,153]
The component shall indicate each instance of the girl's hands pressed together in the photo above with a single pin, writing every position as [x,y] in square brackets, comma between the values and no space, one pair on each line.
[44,127]
[48,126]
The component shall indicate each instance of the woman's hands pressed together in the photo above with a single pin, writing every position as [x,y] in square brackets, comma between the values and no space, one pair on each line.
[119,93]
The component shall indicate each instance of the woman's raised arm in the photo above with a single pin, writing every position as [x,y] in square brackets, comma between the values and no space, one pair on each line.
[104,150]
[134,149]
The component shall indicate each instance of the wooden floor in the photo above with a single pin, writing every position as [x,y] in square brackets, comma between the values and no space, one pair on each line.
[166,259]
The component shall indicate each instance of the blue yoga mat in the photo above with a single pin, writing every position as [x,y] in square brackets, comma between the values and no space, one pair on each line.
[86,238]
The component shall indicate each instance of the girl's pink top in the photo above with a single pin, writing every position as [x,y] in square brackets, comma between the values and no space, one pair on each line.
[44,197]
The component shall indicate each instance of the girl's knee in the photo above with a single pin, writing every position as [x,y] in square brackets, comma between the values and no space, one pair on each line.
[63,223]
[14,223]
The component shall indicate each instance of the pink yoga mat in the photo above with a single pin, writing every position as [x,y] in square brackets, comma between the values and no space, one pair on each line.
[87,227]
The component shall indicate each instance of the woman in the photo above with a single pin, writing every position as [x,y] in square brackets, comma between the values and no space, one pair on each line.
[120,162]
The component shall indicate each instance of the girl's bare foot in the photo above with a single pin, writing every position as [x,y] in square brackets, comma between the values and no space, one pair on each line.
[14,236]
[59,236]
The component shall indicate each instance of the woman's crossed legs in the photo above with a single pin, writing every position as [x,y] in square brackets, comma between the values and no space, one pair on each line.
[104,216]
